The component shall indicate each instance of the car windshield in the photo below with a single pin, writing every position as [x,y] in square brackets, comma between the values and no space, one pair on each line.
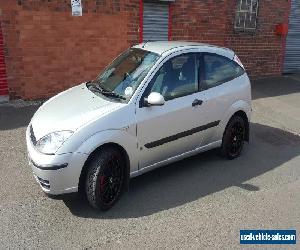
[122,77]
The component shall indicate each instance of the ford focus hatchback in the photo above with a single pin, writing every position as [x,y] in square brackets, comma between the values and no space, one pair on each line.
[156,103]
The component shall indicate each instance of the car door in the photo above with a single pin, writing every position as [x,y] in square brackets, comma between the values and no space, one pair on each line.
[219,89]
[173,128]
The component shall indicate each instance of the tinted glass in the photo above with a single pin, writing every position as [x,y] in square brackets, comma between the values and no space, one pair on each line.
[219,69]
[177,77]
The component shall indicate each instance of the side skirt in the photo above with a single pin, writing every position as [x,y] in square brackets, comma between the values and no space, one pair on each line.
[176,158]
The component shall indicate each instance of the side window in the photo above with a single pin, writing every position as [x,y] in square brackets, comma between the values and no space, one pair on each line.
[219,69]
[177,77]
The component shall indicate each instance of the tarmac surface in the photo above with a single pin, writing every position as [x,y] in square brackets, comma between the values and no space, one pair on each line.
[201,202]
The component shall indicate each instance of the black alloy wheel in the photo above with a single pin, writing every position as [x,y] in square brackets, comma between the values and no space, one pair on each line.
[105,178]
[233,138]
[110,181]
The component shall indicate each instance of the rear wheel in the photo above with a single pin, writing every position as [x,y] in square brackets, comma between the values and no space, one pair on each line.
[233,138]
[105,178]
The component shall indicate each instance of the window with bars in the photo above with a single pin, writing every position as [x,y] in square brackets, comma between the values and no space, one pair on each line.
[246,15]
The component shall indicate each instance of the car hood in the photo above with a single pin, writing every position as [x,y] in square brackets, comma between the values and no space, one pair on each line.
[70,110]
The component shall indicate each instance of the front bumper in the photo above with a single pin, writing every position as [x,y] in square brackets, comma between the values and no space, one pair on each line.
[56,174]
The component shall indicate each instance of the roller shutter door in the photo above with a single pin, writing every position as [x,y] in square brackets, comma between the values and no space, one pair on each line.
[292,55]
[155,21]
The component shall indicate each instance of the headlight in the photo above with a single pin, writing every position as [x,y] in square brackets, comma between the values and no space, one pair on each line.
[50,143]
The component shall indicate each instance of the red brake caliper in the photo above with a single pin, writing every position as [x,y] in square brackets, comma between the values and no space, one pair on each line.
[102,181]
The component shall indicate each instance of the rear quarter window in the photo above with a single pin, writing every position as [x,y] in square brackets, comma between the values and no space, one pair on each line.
[219,69]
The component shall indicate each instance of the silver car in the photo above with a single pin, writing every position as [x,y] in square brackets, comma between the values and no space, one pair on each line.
[156,103]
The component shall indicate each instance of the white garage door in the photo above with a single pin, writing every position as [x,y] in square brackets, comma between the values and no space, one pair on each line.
[292,55]
[155,21]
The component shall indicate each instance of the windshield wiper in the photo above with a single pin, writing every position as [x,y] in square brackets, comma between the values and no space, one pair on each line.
[113,94]
[99,89]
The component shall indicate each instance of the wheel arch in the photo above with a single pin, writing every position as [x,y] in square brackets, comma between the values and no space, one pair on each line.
[243,115]
[97,151]
[239,107]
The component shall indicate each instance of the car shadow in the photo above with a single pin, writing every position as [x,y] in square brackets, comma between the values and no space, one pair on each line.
[195,177]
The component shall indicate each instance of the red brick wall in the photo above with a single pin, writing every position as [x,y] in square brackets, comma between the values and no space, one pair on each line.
[212,21]
[47,50]
[200,21]
[261,52]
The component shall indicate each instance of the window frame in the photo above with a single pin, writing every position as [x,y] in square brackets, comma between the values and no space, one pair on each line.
[238,11]
[204,86]
[149,86]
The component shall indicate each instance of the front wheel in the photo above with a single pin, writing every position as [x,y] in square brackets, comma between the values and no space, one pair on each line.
[233,138]
[105,178]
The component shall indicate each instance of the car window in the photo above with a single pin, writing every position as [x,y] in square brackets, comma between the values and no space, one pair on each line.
[219,69]
[177,77]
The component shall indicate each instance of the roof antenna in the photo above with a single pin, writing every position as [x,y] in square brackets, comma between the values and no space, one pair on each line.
[150,39]
[143,46]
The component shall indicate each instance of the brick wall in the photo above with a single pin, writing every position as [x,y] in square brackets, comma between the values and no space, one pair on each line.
[261,52]
[212,21]
[47,50]
[203,21]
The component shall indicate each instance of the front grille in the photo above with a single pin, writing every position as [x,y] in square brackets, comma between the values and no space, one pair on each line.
[44,183]
[32,136]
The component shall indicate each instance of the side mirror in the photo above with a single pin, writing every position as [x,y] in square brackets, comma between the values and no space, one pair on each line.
[155,99]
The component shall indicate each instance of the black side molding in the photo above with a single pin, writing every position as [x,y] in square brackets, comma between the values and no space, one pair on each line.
[181,134]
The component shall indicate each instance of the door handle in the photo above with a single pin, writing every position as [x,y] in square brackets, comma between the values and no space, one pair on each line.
[197,102]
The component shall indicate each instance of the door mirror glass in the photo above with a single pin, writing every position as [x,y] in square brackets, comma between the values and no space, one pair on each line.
[155,99]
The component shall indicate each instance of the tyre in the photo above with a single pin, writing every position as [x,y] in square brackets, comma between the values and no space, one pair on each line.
[233,138]
[105,178]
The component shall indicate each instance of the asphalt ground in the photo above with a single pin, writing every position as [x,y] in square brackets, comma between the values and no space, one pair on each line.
[201,202]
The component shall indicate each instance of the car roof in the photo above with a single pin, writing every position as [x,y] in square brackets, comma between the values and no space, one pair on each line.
[168,47]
